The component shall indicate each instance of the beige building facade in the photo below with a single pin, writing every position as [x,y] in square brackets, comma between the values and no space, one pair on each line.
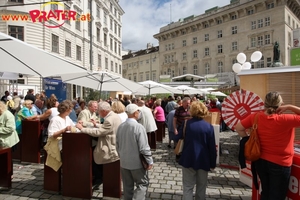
[142,65]
[209,43]
[71,40]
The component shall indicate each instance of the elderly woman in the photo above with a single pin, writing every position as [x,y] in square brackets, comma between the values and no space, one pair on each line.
[62,122]
[159,116]
[199,152]
[24,113]
[8,134]
[119,108]
[276,133]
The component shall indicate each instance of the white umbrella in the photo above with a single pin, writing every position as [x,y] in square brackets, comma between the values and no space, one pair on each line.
[20,57]
[187,89]
[100,80]
[152,87]
[218,93]
[189,77]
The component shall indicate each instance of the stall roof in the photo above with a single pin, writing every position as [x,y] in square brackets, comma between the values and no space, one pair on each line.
[269,70]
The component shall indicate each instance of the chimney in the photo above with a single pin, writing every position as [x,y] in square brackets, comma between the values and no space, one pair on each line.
[149,45]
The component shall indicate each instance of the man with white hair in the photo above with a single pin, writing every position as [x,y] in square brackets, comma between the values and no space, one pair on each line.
[132,142]
[105,151]
[147,120]
[87,117]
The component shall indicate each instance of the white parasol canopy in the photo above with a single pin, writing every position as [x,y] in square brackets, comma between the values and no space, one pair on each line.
[22,58]
[152,87]
[100,80]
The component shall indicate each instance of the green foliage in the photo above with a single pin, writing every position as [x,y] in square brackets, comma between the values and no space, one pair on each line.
[95,95]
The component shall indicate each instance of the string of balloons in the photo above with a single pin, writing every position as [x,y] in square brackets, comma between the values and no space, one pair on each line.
[242,64]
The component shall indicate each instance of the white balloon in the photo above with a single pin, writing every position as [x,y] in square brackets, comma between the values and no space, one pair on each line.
[236,67]
[256,56]
[246,65]
[241,58]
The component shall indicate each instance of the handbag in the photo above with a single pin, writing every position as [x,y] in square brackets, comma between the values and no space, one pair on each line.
[143,161]
[252,146]
[180,143]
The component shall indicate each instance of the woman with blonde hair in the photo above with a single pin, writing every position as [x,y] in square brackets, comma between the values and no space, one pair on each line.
[119,108]
[9,136]
[199,152]
[276,133]
[24,113]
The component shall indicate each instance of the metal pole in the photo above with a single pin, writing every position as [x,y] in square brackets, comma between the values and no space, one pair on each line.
[91,36]
[151,66]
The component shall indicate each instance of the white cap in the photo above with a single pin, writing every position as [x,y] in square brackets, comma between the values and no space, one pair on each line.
[9,98]
[131,108]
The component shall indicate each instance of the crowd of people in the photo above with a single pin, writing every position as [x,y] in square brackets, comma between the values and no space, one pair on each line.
[125,129]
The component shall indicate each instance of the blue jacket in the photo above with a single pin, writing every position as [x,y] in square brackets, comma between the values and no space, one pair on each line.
[199,150]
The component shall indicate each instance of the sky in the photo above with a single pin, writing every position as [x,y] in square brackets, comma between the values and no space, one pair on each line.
[143,18]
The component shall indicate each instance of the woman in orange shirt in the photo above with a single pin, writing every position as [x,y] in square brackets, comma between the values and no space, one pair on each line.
[276,135]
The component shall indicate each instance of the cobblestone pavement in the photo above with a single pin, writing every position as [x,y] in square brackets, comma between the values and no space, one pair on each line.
[165,178]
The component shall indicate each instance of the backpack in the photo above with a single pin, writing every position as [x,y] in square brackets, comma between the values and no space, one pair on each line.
[252,146]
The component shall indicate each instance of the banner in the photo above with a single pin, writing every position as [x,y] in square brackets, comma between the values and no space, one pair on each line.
[57,87]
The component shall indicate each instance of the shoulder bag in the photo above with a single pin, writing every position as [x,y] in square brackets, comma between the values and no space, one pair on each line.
[180,142]
[252,146]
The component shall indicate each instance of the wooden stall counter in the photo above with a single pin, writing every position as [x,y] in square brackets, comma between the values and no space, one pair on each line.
[6,169]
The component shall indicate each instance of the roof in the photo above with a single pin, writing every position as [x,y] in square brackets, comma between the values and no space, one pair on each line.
[140,52]
[270,70]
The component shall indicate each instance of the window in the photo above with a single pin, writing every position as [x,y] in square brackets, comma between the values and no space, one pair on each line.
[184,70]
[206,37]
[120,69]
[260,63]
[141,77]
[250,12]
[105,39]
[16,32]
[233,17]
[169,71]
[111,44]
[195,54]
[111,24]
[267,39]
[116,29]
[219,33]
[260,40]
[260,23]
[67,48]
[234,46]
[54,6]
[78,52]
[220,67]
[220,48]
[195,70]
[289,20]
[112,66]
[116,67]
[269,62]
[55,43]
[253,25]
[253,42]
[99,61]
[183,32]
[119,32]
[17,1]
[89,4]
[184,56]
[134,77]
[267,21]
[206,51]
[219,21]
[183,43]
[98,34]
[77,22]
[234,30]
[206,25]
[173,46]
[98,11]
[105,19]
[153,76]
[106,63]
[147,76]
[166,47]
[67,7]
[270,5]
[194,40]
[207,69]
[115,47]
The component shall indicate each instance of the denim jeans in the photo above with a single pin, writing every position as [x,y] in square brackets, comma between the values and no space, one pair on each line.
[274,179]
